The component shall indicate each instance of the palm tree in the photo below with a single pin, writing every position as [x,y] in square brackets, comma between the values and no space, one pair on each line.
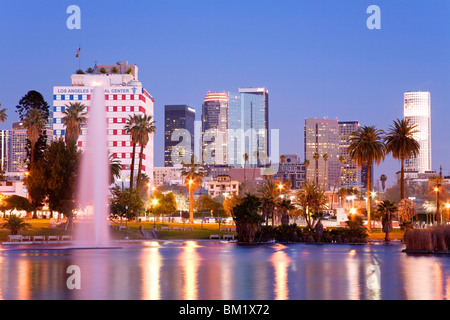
[312,201]
[366,148]
[387,209]
[268,193]
[35,122]
[193,174]
[15,224]
[3,115]
[115,168]
[245,164]
[401,142]
[306,168]
[436,183]
[383,179]
[325,177]
[146,127]
[316,171]
[132,128]
[284,206]
[338,178]
[74,118]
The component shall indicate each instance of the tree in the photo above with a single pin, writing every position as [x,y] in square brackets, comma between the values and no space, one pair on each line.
[312,202]
[3,115]
[248,221]
[167,204]
[268,193]
[15,202]
[15,224]
[132,128]
[61,176]
[34,121]
[366,148]
[285,206]
[193,174]
[146,127]
[436,182]
[306,163]
[401,142]
[115,169]
[316,157]
[206,202]
[74,118]
[36,184]
[383,179]
[34,100]
[406,210]
[229,203]
[124,204]
[387,209]
[325,176]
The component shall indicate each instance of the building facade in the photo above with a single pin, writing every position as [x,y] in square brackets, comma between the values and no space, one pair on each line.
[178,134]
[214,128]
[417,108]
[248,141]
[18,148]
[322,151]
[291,169]
[124,96]
[5,140]
[349,172]
[222,185]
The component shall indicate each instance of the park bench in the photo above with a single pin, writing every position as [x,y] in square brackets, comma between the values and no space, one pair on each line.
[66,238]
[214,236]
[39,238]
[26,238]
[165,228]
[232,229]
[228,236]
[189,228]
[223,229]
[176,228]
[124,227]
[52,238]
[13,238]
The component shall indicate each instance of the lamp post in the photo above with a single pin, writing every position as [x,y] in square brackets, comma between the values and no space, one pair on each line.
[154,204]
[191,200]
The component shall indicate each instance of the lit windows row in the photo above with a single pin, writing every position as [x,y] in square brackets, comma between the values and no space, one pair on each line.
[126,155]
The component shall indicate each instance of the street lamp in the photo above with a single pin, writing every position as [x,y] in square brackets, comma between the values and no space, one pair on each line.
[154,204]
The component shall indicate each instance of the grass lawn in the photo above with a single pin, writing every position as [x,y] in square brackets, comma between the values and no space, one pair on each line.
[42,227]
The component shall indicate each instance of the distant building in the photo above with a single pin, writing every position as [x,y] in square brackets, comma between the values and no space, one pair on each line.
[322,137]
[350,173]
[5,137]
[18,148]
[214,128]
[180,118]
[417,108]
[223,185]
[167,176]
[249,127]
[291,169]
[124,96]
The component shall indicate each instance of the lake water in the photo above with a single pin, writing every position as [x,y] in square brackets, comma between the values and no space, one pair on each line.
[213,270]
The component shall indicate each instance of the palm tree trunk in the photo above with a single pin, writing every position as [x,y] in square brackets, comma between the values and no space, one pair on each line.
[141,154]
[132,165]
[32,156]
[191,204]
[369,227]
[402,180]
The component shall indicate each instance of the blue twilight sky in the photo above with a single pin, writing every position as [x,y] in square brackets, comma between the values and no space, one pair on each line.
[317,58]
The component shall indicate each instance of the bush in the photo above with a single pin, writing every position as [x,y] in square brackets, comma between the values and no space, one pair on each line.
[435,239]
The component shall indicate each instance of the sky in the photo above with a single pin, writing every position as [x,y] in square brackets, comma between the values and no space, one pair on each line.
[318,59]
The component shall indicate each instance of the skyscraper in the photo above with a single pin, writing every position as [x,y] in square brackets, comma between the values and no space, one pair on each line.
[5,136]
[417,108]
[18,148]
[180,118]
[350,174]
[249,126]
[214,128]
[124,96]
[322,138]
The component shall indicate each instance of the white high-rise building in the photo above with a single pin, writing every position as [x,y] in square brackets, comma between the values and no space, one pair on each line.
[417,108]
[124,96]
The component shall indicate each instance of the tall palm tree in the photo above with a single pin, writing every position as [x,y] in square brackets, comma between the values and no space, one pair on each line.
[325,176]
[132,128]
[436,183]
[146,127]
[387,209]
[316,157]
[74,118]
[366,148]
[306,163]
[285,205]
[268,192]
[34,121]
[245,164]
[3,115]
[312,201]
[338,178]
[193,174]
[401,142]
[383,179]
[115,167]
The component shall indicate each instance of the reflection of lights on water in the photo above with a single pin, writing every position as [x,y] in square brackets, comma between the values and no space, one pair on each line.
[190,264]
[352,252]
[152,288]
[281,261]
[151,243]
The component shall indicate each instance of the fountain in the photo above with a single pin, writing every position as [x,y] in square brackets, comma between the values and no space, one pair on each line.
[92,229]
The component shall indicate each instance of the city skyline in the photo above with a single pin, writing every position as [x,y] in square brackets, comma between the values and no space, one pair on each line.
[317,60]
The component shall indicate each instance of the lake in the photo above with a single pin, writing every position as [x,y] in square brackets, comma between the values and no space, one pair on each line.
[220,270]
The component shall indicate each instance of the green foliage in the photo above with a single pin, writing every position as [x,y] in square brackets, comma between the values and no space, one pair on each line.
[79,71]
[247,219]
[15,224]
[167,204]
[207,203]
[125,203]
[17,202]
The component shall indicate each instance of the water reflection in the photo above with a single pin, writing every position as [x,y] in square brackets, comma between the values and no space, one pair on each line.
[195,270]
